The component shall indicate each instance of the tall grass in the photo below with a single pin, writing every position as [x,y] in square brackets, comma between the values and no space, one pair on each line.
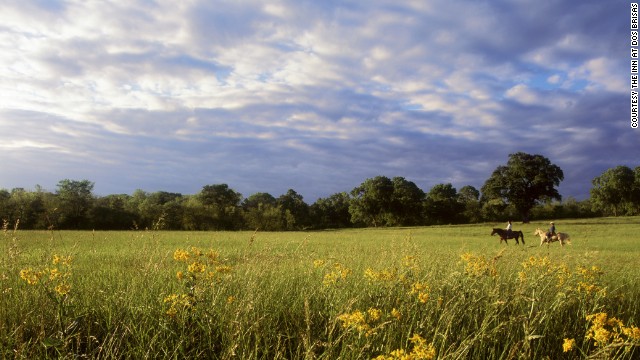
[437,292]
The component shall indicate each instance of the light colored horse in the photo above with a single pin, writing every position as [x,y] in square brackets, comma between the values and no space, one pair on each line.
[562,237]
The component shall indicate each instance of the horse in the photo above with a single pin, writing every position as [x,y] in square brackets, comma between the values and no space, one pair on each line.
[560,236]
[503,235]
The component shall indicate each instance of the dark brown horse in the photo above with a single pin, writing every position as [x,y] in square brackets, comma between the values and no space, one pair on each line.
[504,236]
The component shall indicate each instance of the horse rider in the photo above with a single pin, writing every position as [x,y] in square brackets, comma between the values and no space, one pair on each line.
[509,229]
[551,232]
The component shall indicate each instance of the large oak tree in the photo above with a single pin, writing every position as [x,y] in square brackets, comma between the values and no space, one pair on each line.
[525,180]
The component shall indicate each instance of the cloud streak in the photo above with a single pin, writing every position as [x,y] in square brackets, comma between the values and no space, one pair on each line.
[315,96]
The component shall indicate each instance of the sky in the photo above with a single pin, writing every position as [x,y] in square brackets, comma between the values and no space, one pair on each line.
[314,96]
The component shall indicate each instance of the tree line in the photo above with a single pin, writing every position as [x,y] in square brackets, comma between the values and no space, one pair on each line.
[524,188]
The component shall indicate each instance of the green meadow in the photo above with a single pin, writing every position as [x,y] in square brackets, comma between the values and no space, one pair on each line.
[446,292]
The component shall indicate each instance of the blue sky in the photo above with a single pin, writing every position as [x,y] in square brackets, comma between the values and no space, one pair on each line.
[316,96]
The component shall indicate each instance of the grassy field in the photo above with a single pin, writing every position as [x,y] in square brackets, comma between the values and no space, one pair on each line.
[450,292]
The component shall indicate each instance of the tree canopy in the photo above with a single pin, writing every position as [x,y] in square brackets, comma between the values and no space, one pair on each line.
[381,201]
[616,190]
[525,180]
[527,184]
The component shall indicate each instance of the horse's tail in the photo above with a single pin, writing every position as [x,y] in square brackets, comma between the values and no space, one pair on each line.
[522,236]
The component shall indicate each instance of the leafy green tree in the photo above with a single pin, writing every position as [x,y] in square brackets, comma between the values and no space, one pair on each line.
[253,201]
[261,212]
[442,205]
[159,210]
[195,216]
[294,210]
[524,181]
[407,203]
[27,207]
[614,190]
[223,205]
[331,212]
[635,195]
[371,202]
[264,217]
[110,213]
[75,199]
[5,208]
[381,201]
[469,199]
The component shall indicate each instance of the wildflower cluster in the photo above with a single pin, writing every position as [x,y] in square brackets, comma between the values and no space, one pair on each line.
[384,275]
[200,265]
[177,303]
[54,278]
[535,267]
[365,322]
[394,275]
[420,351]
[568,345]
[605,330]
[339,273]
[588,282]
[583,279]
[477,266]
[203,270]
[421,291]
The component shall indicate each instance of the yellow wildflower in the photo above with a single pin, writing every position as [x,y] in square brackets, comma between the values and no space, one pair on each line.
[423,297]
[418,287]
[340,273]
[384,275]
[181,255]
[568,345]
[224,269]
[421,350]
[478,265]
[66,261]
[421,290]
[63,289]
[213,255]
[374,314]
[522,276]
[410,262]
[54,274]
[396,314]
[30,276]
[398,354]
[354,320]
[195,251]
[196,267]
[177,302]
[632,333]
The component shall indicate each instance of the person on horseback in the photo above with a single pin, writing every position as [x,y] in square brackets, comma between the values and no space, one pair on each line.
[509,229]
[552,231]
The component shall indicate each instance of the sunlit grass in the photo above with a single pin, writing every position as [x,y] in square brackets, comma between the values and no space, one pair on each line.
[436,292]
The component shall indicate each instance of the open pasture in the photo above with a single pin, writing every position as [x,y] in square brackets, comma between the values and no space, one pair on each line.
[429,292]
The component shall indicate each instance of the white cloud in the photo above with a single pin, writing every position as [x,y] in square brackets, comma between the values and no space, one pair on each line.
[319,78]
